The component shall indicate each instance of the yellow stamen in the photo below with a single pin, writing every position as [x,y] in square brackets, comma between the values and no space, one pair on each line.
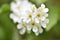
[41,9]
[38,15]
[30,16]
[23,24]
[33,23]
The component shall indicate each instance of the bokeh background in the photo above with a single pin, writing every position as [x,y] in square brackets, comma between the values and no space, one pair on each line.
[8,30]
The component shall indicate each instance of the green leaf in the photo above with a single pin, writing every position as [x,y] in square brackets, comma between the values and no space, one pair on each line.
[59,13]
[37,2]
[53,17]
[2,33]
[7,25]
[57,29]
[15,35]
[4,1]
[6,22]
[5,8]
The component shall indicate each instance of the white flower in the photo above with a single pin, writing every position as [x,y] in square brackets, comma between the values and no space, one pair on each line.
[20,7]
[44,23]
[36,28]
[29,17]
[22,28]
[15,17]
[40,31]
[43,9]
[33,8]
[22,31]
[15,7]
[28,28]
[39,16]
[30,14]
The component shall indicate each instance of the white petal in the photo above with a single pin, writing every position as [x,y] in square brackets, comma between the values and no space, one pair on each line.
[46,10]
[18,2]
[46,21]
[37,20]
[42,5]
[37,33]
[24,20]
[22,31]
[35,29]
[19,26]
[42,18]
[46,15]
[40,30]
[33,8]
[29,29]
[12,6]
[43,25]
[15,18]
[12,15]
[27,21]
[20,20]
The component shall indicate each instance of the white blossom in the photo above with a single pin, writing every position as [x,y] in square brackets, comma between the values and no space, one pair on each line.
[20,7]
[43,9]
[36,28]
[22,28]
[29,17]
[15,17]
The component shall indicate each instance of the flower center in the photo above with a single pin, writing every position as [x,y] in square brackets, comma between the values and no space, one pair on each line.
[23,24]
[38,15]
[33,23]
[29,16]
[41,9]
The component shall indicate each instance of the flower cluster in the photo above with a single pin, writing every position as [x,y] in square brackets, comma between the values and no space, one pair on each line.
[28,17]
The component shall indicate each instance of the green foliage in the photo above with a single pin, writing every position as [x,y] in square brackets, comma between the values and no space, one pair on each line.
[38,2]
[6,22]
[53,17]
[5,8]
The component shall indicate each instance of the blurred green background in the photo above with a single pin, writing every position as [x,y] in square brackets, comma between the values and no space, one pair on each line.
[8,30]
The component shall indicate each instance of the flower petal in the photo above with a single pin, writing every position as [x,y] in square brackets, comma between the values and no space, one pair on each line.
[15,18]
[36,33]
[13,5]
[46,21]
[40,30]
[43,25]
[42,18]
[29,29]
[22,31]
[34,8]
[36,20]
[19,26]
[35,29]
[46,15]
[46,10]
[42,5]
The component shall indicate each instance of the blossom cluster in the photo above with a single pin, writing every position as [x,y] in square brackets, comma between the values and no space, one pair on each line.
[29,17]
